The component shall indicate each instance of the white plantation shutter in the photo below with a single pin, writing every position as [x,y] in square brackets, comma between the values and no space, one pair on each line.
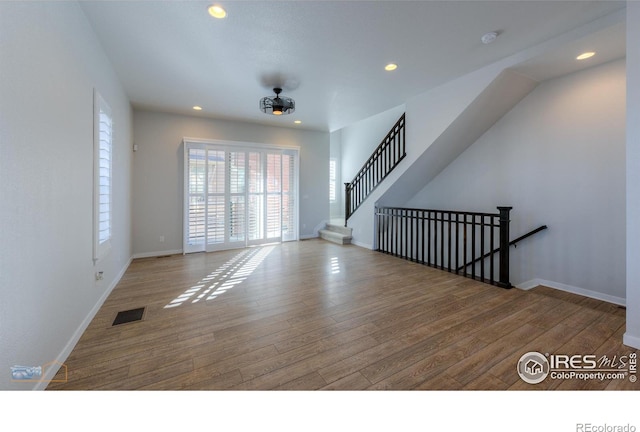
[236,201]
[256,197]
[196,191]
[237,196]
[274,195]
[103,155]
[216,180]
[289,224]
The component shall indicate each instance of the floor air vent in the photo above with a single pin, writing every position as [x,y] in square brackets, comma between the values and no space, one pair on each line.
[128,316]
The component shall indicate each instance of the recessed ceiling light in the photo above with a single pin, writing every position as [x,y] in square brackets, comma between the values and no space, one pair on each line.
[391,67]
[585,55]
[217,11]
[297,121]
[197,108]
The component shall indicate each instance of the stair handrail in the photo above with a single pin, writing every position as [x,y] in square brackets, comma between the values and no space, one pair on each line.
[373,172]
[513,243]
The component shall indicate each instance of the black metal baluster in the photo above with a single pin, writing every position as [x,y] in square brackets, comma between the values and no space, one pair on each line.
[457,249]
[464,240]
[441,240]
[491,262]
[404,149]
[449,242]
[402,223]
[504,247]
[481,247]
[473,246]
[385,233]
[396,241]
[429,237]
[422,237]
[392,240]
[396,147]
[404,233]
[377,176]
[379,222]
[410,234]
[435,240]
[387,242]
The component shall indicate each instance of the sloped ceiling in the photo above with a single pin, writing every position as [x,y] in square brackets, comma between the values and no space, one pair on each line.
[328,55]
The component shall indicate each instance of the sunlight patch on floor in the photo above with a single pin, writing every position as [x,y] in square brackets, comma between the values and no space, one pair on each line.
[335,265]
[225,277]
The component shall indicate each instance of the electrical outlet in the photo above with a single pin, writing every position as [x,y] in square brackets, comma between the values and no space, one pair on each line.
[161,239]
[99,275]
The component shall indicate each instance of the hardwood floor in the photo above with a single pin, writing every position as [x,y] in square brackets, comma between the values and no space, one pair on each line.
[314,315]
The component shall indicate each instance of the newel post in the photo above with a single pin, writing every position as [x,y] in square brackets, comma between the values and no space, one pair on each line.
[504,247]
[347,202]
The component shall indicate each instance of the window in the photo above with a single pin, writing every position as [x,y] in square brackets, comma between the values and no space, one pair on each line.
[332,180]
[102,192]
[238,195]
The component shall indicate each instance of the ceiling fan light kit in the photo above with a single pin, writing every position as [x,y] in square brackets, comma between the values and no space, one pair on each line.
[278,105]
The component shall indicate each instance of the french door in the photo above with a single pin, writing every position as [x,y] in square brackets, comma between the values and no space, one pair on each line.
[236,196]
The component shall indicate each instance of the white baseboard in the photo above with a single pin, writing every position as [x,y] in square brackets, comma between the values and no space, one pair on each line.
[572,289]
[157,253]
[362,245]
[632,341]
[308,236]
[62,357]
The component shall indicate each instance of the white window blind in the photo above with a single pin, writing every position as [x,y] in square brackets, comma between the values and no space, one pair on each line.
[103,156]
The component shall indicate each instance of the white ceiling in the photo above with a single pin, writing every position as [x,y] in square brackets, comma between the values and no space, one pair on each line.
[327,55]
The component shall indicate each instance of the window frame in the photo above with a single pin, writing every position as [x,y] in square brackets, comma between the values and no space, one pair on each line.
[290,234]
[333,180]
[101,247]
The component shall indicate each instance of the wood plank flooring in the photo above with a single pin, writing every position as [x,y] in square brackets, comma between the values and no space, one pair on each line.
[314,315]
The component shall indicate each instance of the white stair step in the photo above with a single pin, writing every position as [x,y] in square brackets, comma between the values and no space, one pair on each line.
[339,229]
[335,237]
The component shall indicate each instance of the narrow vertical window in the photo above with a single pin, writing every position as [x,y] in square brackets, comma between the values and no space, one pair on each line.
[332,180]
[103,155]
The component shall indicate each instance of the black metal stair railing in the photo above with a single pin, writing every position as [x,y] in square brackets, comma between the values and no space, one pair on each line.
[513,243]
[382,161]
[448,240]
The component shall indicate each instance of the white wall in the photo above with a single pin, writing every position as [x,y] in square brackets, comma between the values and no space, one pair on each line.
[335,152]
[558,158]
[632,335]
[158,173]
[51,62]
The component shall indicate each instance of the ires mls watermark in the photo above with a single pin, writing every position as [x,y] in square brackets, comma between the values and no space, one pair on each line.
[37,373]
[589,427]
[534,367]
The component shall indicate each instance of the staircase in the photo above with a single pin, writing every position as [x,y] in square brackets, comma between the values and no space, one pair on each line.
[382,161]
[336,233]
